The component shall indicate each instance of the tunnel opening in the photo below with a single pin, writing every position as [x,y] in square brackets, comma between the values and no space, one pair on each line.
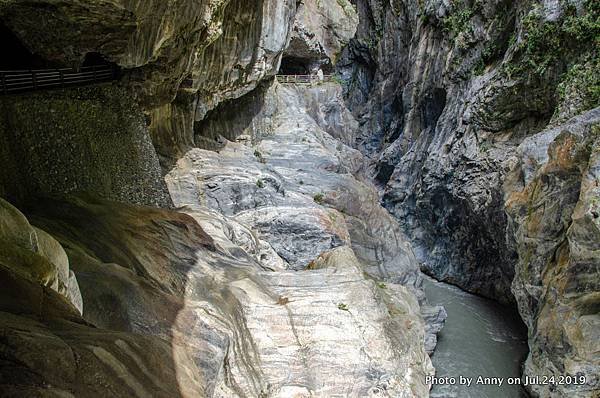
[94,59]
[294,66]
[17,56]
[304,66]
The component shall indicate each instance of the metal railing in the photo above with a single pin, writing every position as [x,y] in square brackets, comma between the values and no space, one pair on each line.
[17,81]
[303,79]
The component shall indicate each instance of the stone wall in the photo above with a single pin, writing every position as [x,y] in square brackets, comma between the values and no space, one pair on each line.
[92,139]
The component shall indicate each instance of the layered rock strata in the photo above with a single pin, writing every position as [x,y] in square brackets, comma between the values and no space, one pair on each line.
[475,116]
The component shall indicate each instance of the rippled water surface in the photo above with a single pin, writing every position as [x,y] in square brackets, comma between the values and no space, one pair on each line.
[481,337]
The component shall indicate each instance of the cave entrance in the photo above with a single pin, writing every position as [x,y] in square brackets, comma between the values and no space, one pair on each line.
[293,66]
[304,66]
[16,56]
[94,59]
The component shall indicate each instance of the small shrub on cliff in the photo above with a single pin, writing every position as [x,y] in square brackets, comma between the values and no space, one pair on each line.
[259,156]
[343,307]
[260,183]
[459,20]
[338,79]
[318,198]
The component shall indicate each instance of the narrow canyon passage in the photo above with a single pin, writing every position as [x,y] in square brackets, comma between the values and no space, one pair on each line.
[480,338]
[239,198]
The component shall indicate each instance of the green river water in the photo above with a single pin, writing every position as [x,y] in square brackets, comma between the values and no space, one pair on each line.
[480,338]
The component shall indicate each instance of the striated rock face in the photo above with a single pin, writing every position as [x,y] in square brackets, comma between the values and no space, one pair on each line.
[296,179]
[160,42]
[445,92]
[178,313]
[553,210]
[298,188]
[474,117]
[322,28]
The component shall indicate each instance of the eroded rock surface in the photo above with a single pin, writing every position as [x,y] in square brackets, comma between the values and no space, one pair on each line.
[218,42]
[205,313]
[322,28]
[458,104]
[555,221]
[35,255]
[299,186]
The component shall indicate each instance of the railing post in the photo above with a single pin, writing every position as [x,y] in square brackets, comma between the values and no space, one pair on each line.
[94,72]
[4,90]
[33,79]
[61,77]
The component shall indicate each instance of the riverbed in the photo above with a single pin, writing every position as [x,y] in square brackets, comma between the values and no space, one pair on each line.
[480,338]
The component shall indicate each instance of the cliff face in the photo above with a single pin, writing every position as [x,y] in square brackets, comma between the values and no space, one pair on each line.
[271,279]
[461,106]
[321,30]
[553,223]
[200,52]
[475,118]
[279,274]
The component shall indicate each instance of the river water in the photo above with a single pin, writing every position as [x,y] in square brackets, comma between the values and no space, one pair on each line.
[480,338]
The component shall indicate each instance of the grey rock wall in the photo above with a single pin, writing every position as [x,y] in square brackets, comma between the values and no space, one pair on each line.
[86,139]
[458,103]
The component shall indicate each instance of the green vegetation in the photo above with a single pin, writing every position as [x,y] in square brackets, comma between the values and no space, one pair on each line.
[318,198]
[259,156]
[459,20]
[338,79]
[546,42]
[260,183]
[348,7]
[485,146]
[479,68]
[581,84]
[381,285]
[343,307]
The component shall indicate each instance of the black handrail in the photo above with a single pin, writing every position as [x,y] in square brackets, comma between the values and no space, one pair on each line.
[18,81]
